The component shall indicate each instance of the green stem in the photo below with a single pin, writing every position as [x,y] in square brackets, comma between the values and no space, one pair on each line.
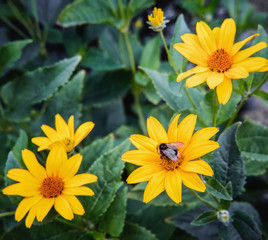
[130,53]
[4,214]
[139,112]
[215,105]
[202,200]
[190,98]
[71,224]
[244,99]
[11,25]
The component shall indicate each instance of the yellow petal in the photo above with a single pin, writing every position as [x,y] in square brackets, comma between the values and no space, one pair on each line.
[252,64]
[173,185]
[237,46]
[186,129]
[244,54]
[70,167]
[63,207]
[82,191]
[195,56]
[62,127]
[193,181]
[21,189]
[143,174]
[75,204]
[197,166]
[43,207]
[206,37]
[71,127]
[82,132]
[197,149]
[155,186]
[215,79]
[227,34]
[80,179]
[204,134]
[173,129]
[30,217]
[224,91]
[33,165]
[197,79]
[55,160]
[51,133]
[25,205]
[156,130]
[42,142]
[141,157]
[22,175]
[216,32]
[236,72]
[197,69]
[143,142]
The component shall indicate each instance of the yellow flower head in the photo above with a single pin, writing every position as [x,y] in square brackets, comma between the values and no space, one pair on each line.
[157,20]
[56,185]
[64,134]
[163,170]
[218,59]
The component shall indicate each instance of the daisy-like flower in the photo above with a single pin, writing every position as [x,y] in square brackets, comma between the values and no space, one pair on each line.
[218,59]
[163,172]
[56,185]
[157,21]
[64,134]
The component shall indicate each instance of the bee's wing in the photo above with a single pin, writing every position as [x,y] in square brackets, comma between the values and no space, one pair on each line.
[171,154]
[176,144]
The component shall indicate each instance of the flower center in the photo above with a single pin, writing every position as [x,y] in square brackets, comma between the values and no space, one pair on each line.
[220,61]
[170,165]
[51,187]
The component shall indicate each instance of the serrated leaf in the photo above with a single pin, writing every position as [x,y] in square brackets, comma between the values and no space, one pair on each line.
[227,161]
[205,218]
[36,86]
[215,188]
[21,144]
[250,139]
[85,12]
[113,220]
[108,168]
[134,231]
[180,29]
[262,95]
[11,52]
[150,57]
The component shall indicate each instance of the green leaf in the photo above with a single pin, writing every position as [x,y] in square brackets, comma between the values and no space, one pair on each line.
[113,220]
[36,86]
[11,52]
[21,144]
[141,78]
[85,12]
[108,168]
[180,29]
[170,91]
[205,218]
[134,7]
[250,139]
[262,95]
[215,188]
[134,231]
[93,151]
[150,92]
[227,161]
[150,57]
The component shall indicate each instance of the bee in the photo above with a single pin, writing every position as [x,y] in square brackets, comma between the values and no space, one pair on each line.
[170,150]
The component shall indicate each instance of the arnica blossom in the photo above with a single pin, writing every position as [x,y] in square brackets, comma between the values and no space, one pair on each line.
[56,185]
[64,134]
[163,173]
[218,59]
[157,21]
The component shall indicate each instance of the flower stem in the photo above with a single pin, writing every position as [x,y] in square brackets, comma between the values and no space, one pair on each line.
[202,199]
[244,99]
[215,109]
[139,112]
[130,53]
[190,98]
[4,214]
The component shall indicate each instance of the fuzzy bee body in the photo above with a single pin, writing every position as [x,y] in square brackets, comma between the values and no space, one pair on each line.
[170,150]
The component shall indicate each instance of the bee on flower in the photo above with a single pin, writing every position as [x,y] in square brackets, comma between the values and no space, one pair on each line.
[157,20]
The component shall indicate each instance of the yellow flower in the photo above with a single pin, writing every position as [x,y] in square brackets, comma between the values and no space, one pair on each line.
[64,134]
[217,58]
[56,185]
[157,21]
[164,173]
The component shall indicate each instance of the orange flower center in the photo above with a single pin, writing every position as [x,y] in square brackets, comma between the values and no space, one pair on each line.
[51,187]
[220,61]
[170,165]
